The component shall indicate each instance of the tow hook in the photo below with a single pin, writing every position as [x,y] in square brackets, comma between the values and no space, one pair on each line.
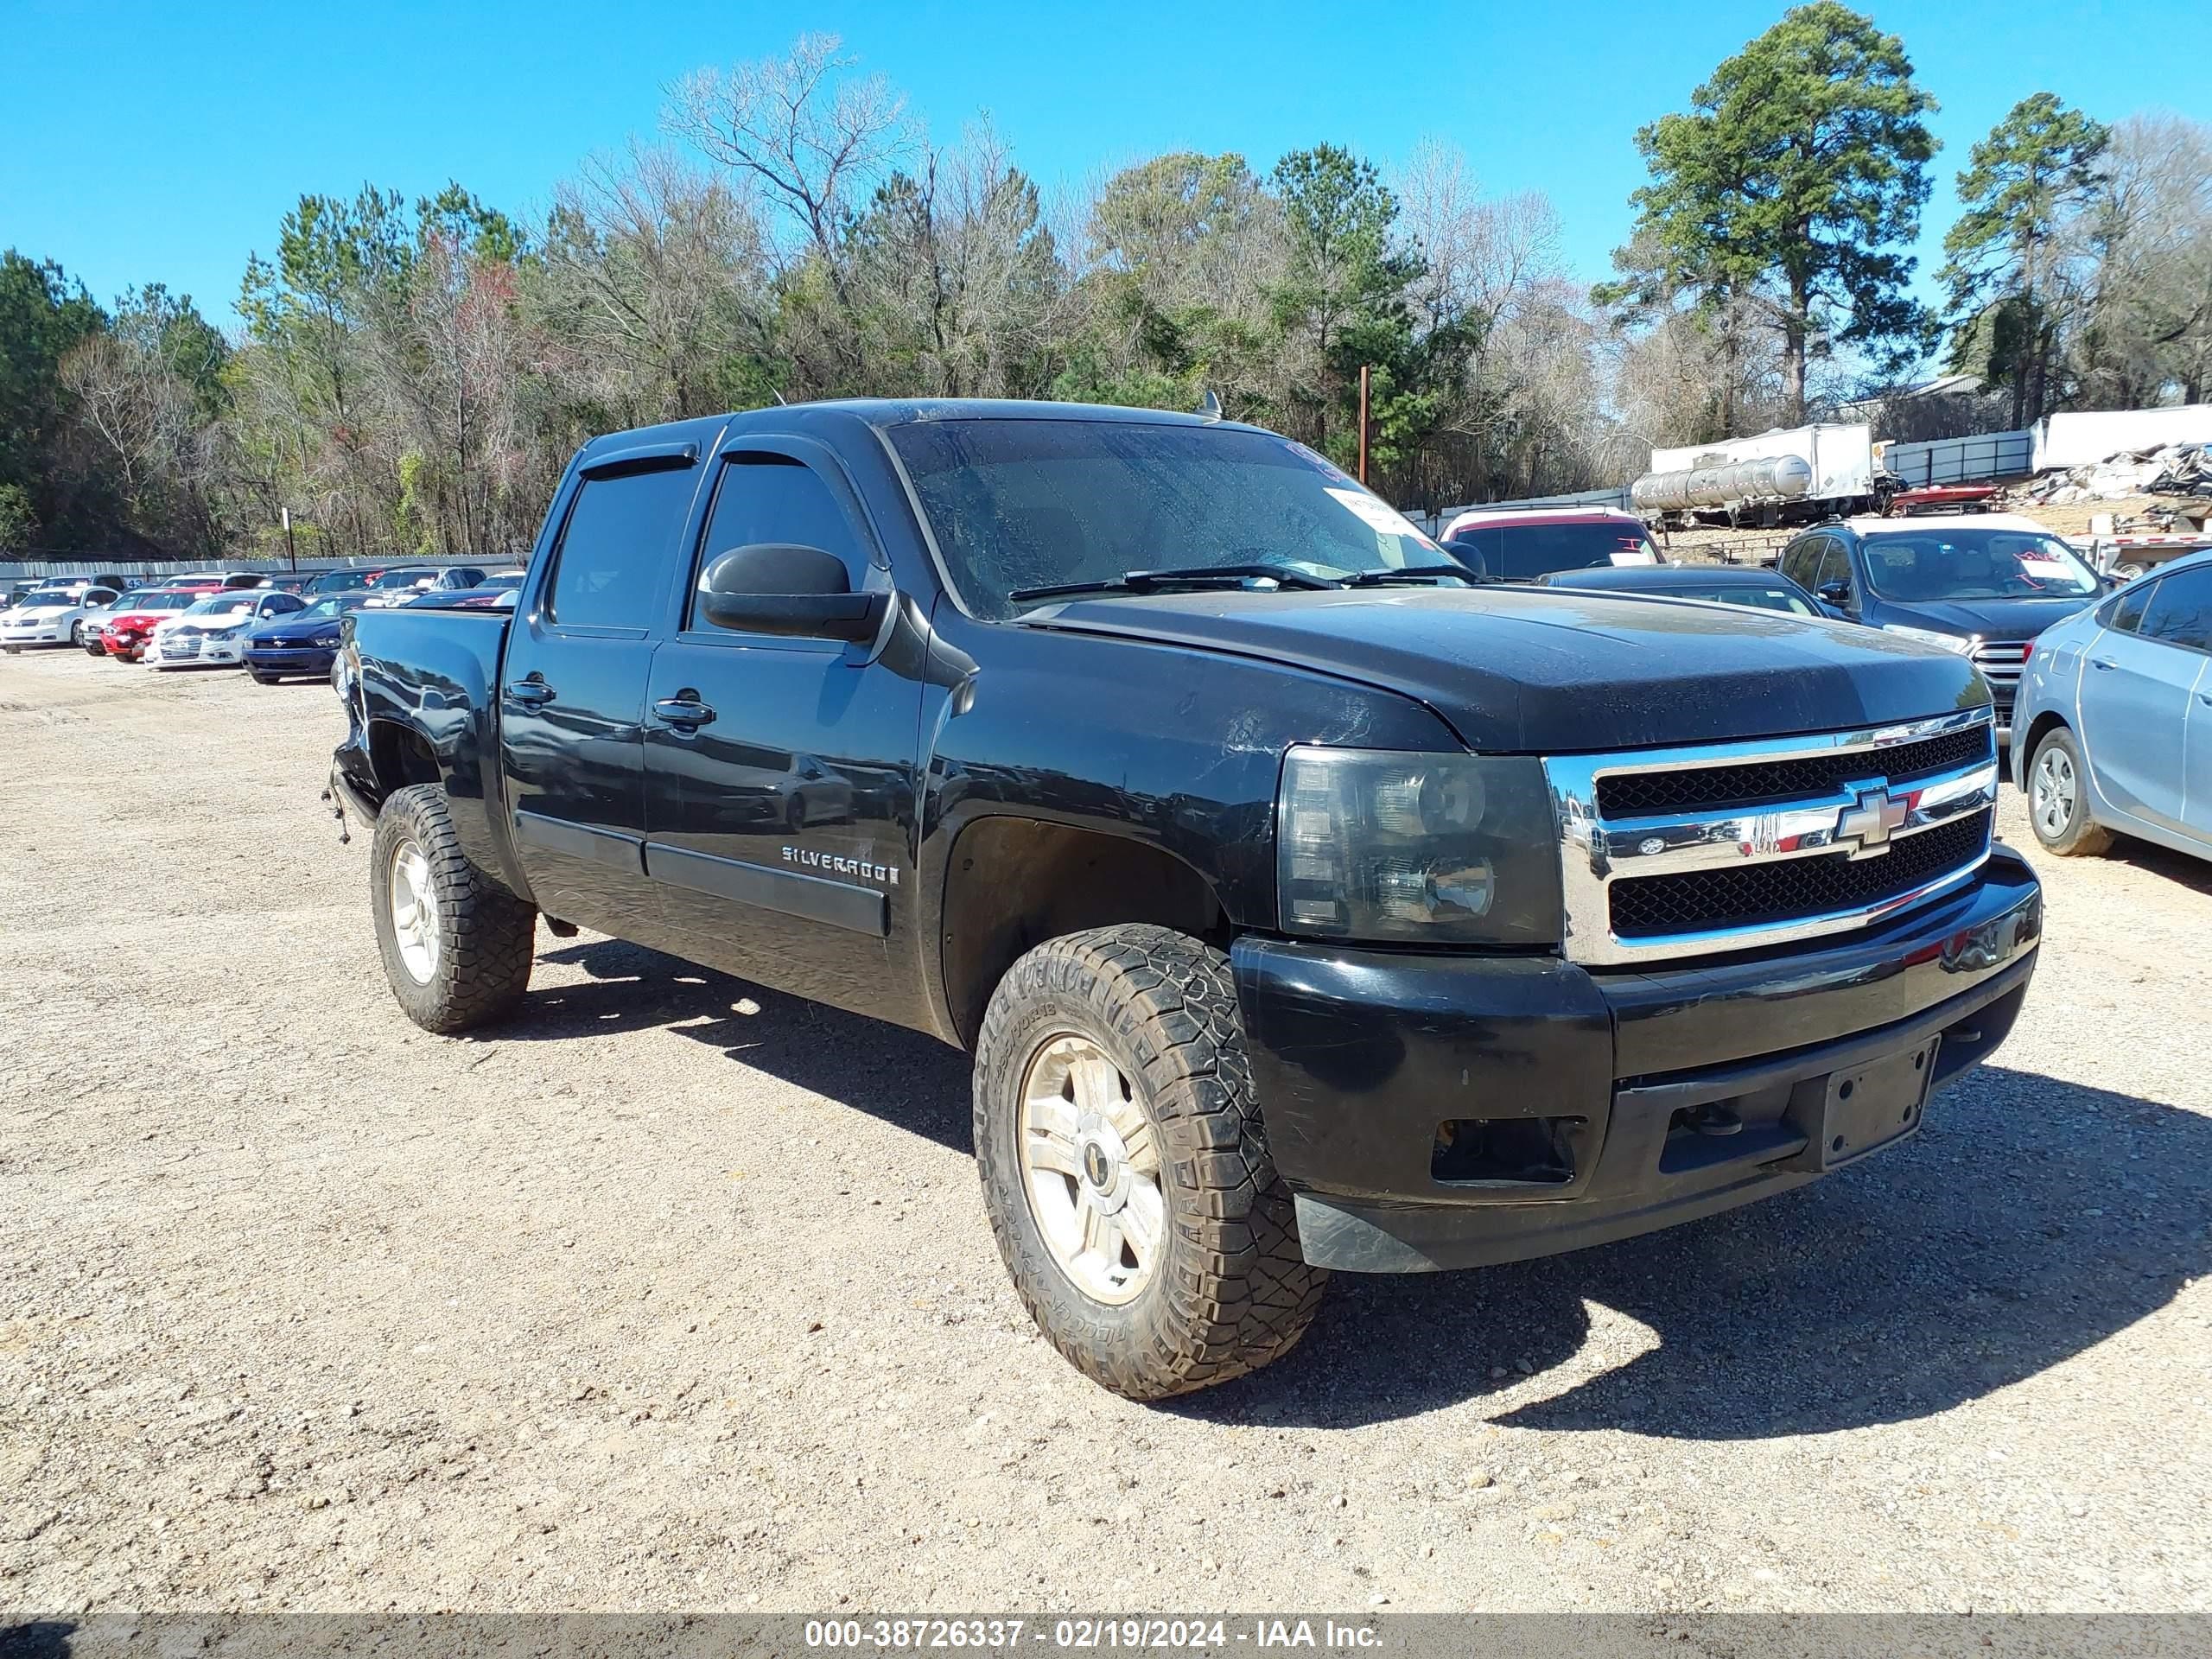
[1714,1119]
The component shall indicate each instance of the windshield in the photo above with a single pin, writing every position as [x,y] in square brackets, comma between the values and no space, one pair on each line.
[332,582]
[1965,562]
[1523,552]
[401,578]
[1016,504]
[1757,598]
[223,604]
[333,605]
[156,602]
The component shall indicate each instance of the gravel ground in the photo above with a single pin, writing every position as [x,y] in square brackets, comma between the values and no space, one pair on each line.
[678,1293]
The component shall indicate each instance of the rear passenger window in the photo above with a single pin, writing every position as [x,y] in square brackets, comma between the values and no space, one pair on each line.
[765,497]
[2181,611]
[609,567]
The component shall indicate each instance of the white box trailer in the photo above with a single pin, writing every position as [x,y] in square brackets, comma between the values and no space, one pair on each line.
[2084,438]
[1799,471]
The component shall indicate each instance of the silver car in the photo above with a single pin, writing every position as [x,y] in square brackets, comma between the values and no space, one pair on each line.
[2113,730]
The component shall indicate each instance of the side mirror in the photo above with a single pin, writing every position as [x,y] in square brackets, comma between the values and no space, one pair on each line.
[1471,556]
[1837,593]
[781,588]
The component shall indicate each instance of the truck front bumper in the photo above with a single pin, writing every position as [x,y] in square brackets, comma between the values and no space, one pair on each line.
[1445,1111]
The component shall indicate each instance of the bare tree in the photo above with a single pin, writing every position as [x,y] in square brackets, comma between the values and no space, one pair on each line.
[813,137]
[653,281]
[2149,333]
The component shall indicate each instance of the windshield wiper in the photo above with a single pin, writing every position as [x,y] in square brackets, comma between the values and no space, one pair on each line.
[1196,576]
[1415,572]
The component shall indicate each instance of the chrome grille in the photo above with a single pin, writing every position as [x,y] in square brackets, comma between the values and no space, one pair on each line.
[2002,662]
[1654,905]
[1729,846]
[1755,783]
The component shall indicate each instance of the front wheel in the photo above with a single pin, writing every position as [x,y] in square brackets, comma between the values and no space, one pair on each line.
[2058,799]
[1126,1169]
[456,947]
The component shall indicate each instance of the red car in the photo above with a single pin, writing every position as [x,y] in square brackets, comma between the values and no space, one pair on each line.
[131,623]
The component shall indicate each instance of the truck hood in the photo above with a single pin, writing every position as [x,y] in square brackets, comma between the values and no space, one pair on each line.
[1551,671]
[1992,618]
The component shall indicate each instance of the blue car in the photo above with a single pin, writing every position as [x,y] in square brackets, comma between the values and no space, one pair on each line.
[2113,730]
[303,643]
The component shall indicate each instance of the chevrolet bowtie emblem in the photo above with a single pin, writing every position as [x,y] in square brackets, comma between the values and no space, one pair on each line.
[1863,828]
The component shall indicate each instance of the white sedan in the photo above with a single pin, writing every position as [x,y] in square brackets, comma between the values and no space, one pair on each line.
[49,619]
[211,632]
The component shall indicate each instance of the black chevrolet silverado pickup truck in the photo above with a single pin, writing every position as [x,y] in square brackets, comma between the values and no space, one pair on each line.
[1304,902]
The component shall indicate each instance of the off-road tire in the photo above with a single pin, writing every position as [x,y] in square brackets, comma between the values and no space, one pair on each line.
[486,935]
[1231,1292]
[2084,836]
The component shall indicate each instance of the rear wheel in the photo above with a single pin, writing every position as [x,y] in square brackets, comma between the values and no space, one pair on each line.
[456,947]
[2058,799]
[1126,1169]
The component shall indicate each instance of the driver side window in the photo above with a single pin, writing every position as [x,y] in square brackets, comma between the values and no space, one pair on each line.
[767,498]
[1834,569]
[1799,562]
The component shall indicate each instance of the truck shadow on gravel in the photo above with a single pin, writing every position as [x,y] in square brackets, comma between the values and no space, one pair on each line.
[903,1077]
[2033,1219]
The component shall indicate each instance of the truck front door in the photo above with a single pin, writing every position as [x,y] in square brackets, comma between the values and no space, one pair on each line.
[572,691]
[779,771]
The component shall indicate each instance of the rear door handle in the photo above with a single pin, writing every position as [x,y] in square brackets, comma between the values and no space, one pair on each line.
[532,694]
[686,713]
[2103,661]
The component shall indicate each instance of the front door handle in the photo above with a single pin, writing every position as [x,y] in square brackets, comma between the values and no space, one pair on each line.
[2103,661]
[685,712]
[532,694]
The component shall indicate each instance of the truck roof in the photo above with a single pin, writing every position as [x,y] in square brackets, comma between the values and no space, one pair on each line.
[894,411]
[1867,525]
[1481,517]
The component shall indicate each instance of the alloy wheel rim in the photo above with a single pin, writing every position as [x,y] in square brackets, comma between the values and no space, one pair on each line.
[1090,1169]
[2053,792]
[414,912]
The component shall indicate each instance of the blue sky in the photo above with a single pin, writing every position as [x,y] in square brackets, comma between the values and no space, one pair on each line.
[164,142]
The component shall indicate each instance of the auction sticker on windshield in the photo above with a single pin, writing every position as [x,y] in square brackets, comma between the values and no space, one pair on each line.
[1377,515]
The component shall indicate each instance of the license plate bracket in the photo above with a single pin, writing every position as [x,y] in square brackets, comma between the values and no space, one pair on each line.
[1858,1110]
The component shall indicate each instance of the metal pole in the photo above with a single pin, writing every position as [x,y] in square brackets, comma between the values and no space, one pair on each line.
[1363,423]
[291,548]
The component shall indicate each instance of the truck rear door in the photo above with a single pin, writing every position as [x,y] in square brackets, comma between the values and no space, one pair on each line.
[779,771]
[572,691]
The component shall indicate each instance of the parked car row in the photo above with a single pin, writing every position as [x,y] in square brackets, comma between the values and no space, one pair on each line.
[276,627]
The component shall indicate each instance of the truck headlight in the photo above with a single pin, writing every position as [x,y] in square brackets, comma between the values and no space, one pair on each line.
[1417,849]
